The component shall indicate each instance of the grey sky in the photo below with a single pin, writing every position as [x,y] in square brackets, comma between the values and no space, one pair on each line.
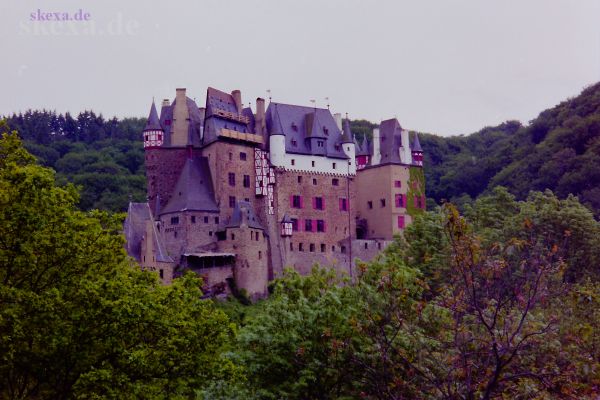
[446,67]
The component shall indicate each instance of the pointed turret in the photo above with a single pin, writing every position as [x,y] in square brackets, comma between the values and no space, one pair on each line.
[276,138]
[153,132]
[347,134]
[417,151]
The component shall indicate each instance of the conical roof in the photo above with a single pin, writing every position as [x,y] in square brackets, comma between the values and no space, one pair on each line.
[194,189]
[347,134]
[416,145]
[153,124]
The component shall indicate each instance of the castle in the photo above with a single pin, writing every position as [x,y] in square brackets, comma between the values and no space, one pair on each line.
[237,195]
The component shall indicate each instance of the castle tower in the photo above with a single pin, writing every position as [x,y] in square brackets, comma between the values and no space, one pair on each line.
[392,191]
[153,132]
[349,147]
[417,151]
[246,238]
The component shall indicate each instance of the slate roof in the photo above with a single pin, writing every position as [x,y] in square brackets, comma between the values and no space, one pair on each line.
[347,135]
[244,213]
[166,121]
[364,149]
[217,99]
[153,124]
[295,122]
[416,145]
[134,229]
[390,133]
[194,189]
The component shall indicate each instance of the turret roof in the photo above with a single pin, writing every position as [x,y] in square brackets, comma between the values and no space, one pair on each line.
[153,124]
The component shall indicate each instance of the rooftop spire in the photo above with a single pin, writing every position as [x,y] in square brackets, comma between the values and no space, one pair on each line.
[347,134]
[416,146]
[153,123]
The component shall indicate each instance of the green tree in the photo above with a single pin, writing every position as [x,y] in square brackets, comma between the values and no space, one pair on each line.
[76,318]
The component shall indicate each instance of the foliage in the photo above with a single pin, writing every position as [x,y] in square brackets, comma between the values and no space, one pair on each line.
[76,320]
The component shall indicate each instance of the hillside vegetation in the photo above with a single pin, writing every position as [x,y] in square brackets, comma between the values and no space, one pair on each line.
[558,150]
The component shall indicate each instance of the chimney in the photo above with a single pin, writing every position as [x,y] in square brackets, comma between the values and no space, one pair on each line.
[338,120]
[237,97]
[376,147]
[259,124]
[180,95]
[166,103]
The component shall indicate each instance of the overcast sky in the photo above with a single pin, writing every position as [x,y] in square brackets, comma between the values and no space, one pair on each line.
[446,67]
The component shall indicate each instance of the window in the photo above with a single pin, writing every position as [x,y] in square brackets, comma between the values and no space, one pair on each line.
[366,246]
[343,204]
[312,247]
[334,165]
[382,202]
[231,202]
[175,234]
[312,163]
[233,236]
[167,122]
[401,221]
[243,156]
[193,219]
[333,248]
[293,162]
[174,220]
[296,201]
[217,220]
[337,147]
[260,255]
[323,247]
[318,203]
[294,224]
[343,249]
[231,177]
[209,233]
[291,246]
[326,131]
[206,220]
[370,205]
[299,179]
[301,247]
[294,126]
[320,225]
[314,182]
[256,236]
[308,225]
[161,273]
[230,156]
[294,142]
[246,181]
[320,143]
[251,235]
[399,200]
[335,182]
[397,184]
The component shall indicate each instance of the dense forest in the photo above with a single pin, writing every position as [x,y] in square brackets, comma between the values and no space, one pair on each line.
[558,150]
[500,302]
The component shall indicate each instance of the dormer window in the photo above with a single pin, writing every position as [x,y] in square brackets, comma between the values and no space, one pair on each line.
[326,131]
[294,143]
[294,127]
[337,147]
[320,143]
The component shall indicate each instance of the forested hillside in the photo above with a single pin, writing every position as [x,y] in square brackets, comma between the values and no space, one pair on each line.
[558,150]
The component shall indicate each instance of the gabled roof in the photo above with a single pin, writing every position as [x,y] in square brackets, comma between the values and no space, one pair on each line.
[217,100]
[166,121]
[291,121]
[153,124]
[243,214]
[135,228]
[416,145]
[194,189]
